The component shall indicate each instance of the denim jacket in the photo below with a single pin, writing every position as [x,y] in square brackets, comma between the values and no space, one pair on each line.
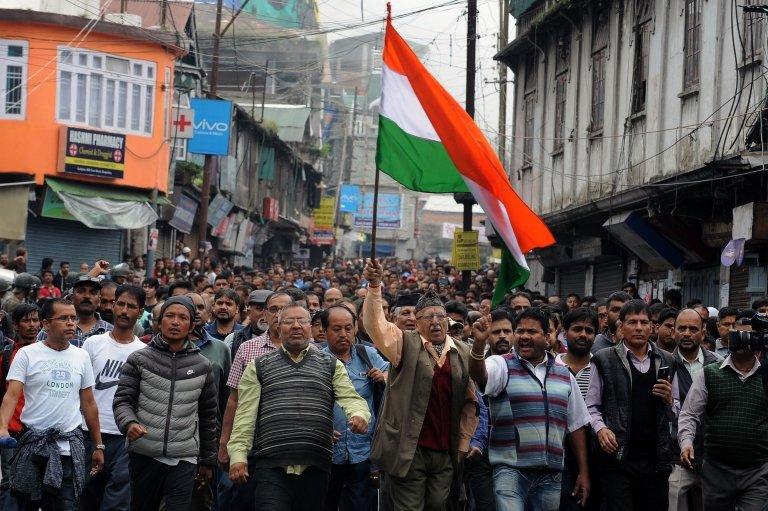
[351,447]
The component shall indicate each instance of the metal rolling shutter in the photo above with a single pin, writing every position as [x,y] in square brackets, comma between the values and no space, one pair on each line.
[608,277]
[67,240]
[572,281]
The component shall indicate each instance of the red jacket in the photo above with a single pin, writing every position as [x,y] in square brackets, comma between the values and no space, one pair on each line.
[14,425]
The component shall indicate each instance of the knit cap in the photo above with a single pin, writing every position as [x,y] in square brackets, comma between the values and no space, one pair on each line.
[180,300]
[429,299]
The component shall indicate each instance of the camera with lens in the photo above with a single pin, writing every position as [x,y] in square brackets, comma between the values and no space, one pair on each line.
[756,340]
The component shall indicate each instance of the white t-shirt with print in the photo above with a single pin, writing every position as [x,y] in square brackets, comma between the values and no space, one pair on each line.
[52,383]
[107,357]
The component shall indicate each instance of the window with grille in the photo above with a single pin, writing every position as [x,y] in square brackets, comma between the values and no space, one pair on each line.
[692,44]
[13,79]
[105,91]
[752,34]
[600,38]
[562,59]
[529,115]
[643,21]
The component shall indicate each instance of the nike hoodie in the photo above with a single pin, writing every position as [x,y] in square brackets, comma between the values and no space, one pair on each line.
[174,396]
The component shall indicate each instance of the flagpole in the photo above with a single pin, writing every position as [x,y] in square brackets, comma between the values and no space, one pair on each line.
[376,179]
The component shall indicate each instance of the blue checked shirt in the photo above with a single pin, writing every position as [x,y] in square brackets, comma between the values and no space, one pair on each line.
[351,447]
[101,327]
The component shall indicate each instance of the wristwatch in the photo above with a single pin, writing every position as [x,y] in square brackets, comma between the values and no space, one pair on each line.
[100,447]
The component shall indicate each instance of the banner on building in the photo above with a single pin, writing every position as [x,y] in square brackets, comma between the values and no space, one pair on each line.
[349,199]
[213,120]
[91,153]
[388,214]
[184,215]
[324,215]
[218,208]
[465,253]
[182,123]
[449,228]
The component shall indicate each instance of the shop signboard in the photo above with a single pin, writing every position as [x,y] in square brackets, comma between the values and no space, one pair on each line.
[91,153]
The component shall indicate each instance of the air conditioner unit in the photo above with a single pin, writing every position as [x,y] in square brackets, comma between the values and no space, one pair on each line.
[123,18]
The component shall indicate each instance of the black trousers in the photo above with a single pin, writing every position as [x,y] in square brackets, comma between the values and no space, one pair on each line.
[634,485]
[478,476]
[152,481]
[349,487]
[278,491]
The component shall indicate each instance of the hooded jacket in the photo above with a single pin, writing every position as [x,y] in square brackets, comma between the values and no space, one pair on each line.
[174,396]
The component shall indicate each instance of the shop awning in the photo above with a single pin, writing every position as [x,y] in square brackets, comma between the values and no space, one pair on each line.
[14,198]
[640,238]
[98,207]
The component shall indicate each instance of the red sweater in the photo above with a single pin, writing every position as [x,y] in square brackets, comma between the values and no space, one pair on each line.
[14,425]
[436,429]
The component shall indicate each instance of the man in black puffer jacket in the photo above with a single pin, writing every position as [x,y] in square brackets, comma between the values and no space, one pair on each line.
[166,403]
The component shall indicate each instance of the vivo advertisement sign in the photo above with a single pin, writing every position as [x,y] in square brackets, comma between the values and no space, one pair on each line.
[213,118]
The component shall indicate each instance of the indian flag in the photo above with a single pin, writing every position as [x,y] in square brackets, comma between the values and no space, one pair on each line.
[428,143]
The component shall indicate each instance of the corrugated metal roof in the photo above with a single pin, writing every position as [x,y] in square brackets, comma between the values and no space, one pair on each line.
[176,15]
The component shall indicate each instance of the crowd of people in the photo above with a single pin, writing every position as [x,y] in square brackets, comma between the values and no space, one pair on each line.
[364,385]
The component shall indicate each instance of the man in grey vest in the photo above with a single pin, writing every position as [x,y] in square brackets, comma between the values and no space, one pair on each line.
[730,399]
[631,407]
[430,411]
[284,419]
[691,358]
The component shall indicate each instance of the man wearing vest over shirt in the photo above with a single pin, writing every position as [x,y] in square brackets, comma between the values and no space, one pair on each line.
[534,403]
[730,398]
[430,410]
[631,409]
[284,419]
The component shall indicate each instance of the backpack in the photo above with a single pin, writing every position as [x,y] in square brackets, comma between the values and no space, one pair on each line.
[378,388]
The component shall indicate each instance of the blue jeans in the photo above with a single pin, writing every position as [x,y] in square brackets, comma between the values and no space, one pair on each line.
[526,489]
[7,502]
[110,488]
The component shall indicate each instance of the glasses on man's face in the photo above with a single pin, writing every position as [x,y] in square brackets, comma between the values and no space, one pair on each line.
[431,317]
[66,319]
[291,321]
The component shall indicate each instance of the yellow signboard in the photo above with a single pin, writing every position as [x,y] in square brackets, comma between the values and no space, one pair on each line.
[465,254]
[324,215]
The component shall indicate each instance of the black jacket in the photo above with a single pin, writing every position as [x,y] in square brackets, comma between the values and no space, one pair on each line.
[613,366]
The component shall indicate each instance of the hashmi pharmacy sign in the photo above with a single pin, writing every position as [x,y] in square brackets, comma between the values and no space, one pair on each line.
[91,153]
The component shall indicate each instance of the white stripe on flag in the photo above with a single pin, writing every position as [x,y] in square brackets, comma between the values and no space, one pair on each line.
[400,105]
[497,214]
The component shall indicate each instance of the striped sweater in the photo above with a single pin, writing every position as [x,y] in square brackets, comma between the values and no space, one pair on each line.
[529,420]
[295,419]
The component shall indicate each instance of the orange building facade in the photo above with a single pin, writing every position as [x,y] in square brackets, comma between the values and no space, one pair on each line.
[107,79]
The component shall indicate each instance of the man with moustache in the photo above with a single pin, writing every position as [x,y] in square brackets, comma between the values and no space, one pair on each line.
[274,409]
[607,338]
[110,489]
[57,381]
[86,299]
[665,332]
[403,311]
[631,408]
[226,312]
[580,327]
[268,342]
[351,472]
[257,324]
[107,301]
[691,358]
[500,334]
[534,403]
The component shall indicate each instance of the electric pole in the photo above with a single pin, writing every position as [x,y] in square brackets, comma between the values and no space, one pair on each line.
[503,36]
[205,193]
[466,198]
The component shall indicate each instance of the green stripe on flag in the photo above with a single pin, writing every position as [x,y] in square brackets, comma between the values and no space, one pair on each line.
[511,275]
[416,163]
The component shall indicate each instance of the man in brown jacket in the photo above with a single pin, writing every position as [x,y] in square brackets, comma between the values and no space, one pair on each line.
[430,409]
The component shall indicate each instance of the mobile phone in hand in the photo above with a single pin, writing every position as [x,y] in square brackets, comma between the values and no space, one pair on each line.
[663,373]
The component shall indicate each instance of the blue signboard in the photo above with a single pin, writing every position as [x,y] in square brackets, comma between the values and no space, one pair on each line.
[349,199]
[387,215]
[213,119]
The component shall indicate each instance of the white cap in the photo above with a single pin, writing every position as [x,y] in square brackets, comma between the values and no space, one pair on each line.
[186,250]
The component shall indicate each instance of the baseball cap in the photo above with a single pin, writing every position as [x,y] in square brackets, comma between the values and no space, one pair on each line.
[186,250]
[259,297]
[87,280]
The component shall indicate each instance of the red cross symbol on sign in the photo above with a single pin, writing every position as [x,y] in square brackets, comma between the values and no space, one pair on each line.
[181,123]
